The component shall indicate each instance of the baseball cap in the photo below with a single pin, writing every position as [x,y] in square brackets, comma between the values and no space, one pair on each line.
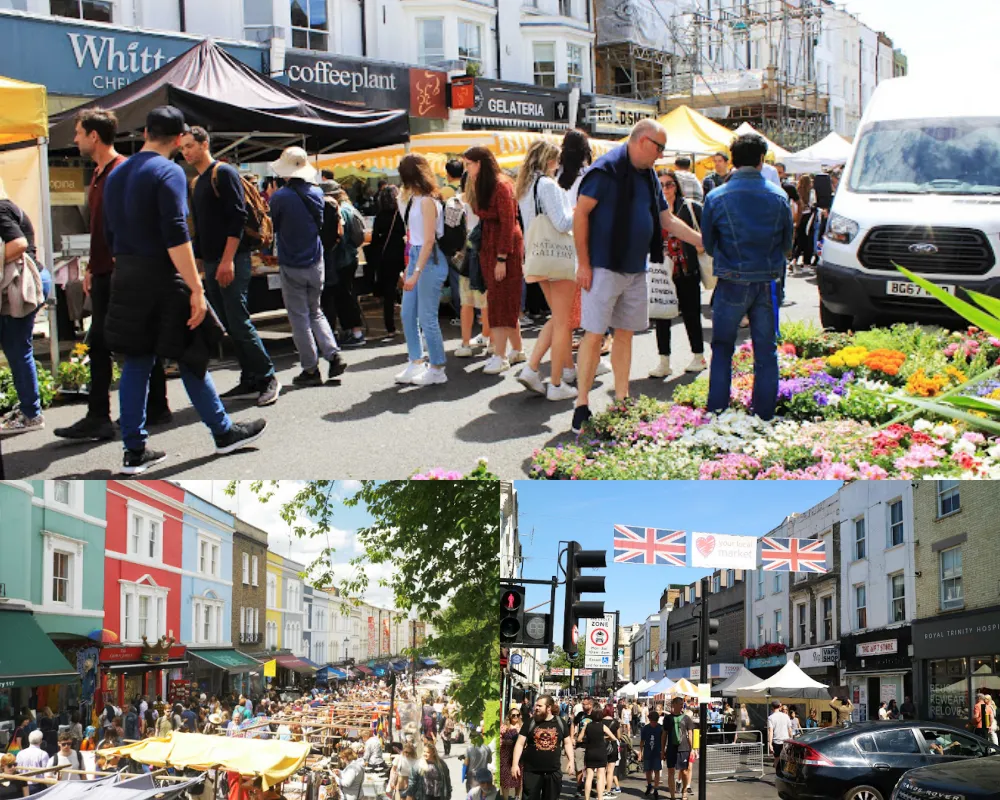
[483,775]
[165,121]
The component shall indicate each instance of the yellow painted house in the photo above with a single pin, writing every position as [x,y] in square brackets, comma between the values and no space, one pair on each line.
[274,622]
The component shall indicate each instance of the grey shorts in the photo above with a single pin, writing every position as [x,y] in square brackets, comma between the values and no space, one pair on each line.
[616,300]
[578,758]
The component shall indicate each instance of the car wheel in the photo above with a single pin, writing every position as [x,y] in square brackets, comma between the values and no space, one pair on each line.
[841,323]
[864,793]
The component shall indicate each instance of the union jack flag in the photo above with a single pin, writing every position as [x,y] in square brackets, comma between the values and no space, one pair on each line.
[793,555]
[650,546]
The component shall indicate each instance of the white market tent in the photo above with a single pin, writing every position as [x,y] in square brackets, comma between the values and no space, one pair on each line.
[831,151]
[660,687]
[643,685]
[789,681]
[779,152]
[628,690]
[735,684]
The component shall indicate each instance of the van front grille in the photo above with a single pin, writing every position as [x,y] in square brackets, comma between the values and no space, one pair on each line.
[937,250]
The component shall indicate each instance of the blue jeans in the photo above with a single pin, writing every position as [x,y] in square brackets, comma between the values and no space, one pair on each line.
[733,301]
[230,304]
[132,392]
[15,340]
[456,295]
[420,307]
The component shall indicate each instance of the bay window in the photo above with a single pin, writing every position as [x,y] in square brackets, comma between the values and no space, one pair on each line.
[470,44]
[430,41]
[93,10]
[545,64]
[143,610]
[310,24]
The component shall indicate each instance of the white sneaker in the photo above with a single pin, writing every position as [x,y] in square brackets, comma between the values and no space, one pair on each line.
[561,392]
[603,367]
[429,376]
[479,341]
[490,350]
[465,351]
[529,379]
[516,357]
[698,364]
[413,369]
[569,375]
[662,369]
[495,365]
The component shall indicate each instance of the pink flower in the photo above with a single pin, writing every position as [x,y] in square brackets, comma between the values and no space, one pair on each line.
[871,472]
[972,436]
[438,474]
[920,455]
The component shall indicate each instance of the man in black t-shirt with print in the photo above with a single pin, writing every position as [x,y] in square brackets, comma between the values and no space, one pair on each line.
[580,721]
[536,752]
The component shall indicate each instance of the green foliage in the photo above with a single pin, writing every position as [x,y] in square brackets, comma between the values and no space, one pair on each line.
[558,658]
[8,394]
[694,394]
[800,333]
[441,539]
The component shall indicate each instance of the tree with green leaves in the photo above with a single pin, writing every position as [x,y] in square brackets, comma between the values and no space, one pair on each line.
[441,539]
[558,658]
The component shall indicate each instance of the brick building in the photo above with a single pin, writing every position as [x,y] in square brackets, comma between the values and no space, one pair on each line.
[249,594]
[956,635]
[726,603]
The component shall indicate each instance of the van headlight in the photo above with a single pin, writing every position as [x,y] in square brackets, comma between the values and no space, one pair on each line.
[841,229]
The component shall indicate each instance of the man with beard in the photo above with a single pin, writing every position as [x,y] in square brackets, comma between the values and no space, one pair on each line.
[539,742]
[580,721]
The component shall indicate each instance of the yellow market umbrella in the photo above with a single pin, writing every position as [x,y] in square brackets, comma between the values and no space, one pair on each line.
[690,132]
[23,111]
[273,761]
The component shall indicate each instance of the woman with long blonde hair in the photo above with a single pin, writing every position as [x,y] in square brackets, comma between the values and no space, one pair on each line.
[426,272]
[501,253]
[538,193]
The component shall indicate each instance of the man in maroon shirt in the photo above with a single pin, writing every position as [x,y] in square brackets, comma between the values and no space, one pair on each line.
[95,137]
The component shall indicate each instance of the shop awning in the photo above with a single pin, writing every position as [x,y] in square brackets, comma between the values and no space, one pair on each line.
[398,666]
[29,657]
[313,664]
[429,662]
[227,660]
[24,114]
[364,669]
[141,666]
[295,664]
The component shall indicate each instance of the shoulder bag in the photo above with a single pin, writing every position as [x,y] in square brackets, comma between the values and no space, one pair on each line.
[705,261]
[549,254]
[661,295]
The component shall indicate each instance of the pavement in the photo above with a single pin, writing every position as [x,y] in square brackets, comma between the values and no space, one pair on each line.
[454,761]
[365,426]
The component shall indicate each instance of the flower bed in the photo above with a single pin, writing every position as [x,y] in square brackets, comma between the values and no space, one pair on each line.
[845,411]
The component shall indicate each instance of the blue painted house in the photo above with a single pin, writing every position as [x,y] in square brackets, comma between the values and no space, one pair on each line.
[207,598]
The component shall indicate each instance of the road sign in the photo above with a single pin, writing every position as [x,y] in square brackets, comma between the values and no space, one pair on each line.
[516,658]
[600,642]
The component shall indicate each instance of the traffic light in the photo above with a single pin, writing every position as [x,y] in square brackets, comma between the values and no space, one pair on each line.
[713,644]
[511,614]
[577,584]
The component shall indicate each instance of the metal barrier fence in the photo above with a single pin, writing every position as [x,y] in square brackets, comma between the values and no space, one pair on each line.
[735,756]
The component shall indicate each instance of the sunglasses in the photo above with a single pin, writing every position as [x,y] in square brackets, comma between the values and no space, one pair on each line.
[660,146]
[665,184]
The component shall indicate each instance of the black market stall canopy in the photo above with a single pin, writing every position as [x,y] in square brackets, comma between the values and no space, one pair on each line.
[29,658]
[296,665]
[241,108]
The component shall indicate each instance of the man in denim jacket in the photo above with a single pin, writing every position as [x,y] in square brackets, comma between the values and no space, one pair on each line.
[747,227]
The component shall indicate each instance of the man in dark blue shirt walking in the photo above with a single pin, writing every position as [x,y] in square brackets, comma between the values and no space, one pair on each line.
[158,305]
[747,227]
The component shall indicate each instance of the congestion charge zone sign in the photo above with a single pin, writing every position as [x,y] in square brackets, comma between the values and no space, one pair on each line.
[600,642]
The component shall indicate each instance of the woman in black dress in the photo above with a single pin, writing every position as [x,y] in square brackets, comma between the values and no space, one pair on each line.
[595,757]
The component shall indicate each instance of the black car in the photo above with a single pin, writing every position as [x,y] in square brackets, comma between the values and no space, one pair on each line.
[865,760]
[957,780]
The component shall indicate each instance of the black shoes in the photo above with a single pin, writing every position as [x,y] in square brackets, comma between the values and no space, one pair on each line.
[89,429]
[353,340]
[135,462]
[244,390]
[268,393]
[241,434]
[308,377]
[580,416]
[337,367]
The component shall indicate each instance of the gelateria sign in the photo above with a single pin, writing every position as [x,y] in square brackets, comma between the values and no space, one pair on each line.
[90,60]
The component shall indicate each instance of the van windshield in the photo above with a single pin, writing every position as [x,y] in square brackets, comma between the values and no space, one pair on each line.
[928,156]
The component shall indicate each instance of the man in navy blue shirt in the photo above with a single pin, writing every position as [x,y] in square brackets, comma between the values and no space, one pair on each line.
[158,304]
[618,226]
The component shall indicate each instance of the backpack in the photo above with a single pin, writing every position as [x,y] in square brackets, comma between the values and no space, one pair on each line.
[452,241]
[259,229]
[354,227]
[330,234]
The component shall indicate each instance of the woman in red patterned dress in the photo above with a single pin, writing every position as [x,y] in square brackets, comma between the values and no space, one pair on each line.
[509,786]
[490,194]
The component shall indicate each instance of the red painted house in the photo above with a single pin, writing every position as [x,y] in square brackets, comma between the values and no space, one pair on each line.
[142,591]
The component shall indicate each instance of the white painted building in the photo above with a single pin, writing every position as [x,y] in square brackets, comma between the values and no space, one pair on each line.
[877,590]
[646,660]
[769,615]
[510,543]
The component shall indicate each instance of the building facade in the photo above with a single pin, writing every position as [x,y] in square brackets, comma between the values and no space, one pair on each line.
[52,540]
[510,543]
[249,606]
[274,627]
[877,592]
[726,602]
[955,635]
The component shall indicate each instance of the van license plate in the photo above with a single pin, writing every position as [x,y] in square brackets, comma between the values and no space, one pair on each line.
[909,289]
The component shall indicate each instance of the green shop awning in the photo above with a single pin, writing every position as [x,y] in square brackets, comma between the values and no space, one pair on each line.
[231,661]
[29,658]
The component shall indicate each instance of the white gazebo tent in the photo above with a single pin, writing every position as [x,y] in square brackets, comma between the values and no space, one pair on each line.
[831,151]
[643,685]
[628,690]
[787,682]
[734,685]
[779,152]
[660,687]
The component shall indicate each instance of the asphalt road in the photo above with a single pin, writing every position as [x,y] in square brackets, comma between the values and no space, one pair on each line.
[364,426]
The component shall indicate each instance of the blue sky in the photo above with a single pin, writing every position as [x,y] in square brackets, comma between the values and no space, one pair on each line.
[939,41]
[587,511]
[267,516]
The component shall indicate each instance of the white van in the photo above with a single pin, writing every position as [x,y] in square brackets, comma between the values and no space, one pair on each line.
[921,189]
